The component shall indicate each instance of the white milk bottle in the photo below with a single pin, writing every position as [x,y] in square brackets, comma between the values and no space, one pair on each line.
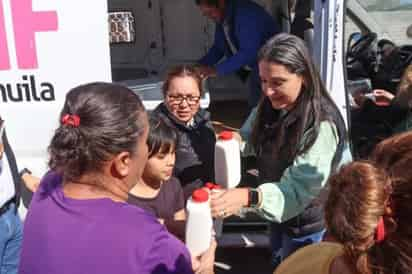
[227,160]
[199,222]
[217,222]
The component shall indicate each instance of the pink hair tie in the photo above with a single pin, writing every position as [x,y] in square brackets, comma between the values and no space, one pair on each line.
[71,119]
[380,231]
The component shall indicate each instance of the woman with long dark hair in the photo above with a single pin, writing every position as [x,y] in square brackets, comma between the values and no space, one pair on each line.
[298,136]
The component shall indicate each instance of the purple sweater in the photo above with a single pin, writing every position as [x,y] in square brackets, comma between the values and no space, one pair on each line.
[64,235]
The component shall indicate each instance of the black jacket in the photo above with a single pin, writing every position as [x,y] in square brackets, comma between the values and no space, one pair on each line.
[272,163]
[195,149]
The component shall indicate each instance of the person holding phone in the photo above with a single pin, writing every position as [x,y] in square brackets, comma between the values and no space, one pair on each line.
[381,114]
[10,223]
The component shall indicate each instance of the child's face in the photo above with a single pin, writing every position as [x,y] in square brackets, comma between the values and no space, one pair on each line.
[159,167]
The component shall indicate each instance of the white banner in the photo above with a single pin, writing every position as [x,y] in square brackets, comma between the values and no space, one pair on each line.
[46,48]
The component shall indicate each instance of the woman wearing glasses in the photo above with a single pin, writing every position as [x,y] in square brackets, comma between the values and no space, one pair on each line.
[182,90]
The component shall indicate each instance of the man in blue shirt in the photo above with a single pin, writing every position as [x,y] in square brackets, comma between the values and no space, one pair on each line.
[242,27]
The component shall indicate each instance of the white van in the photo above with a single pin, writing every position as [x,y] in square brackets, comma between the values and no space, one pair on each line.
[48,47]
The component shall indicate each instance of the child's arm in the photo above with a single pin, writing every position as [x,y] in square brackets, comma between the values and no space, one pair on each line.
[180,215]
[179,206]
[178,224]
[176,227]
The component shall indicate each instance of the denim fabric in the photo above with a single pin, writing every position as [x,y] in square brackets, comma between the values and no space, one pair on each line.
[10,241]
[283,245]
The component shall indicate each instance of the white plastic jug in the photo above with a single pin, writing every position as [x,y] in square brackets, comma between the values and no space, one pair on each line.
[217,222]
[199,222]
[227,160]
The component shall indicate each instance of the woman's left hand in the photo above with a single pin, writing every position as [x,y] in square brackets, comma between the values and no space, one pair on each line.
[229,202]
[206,71]
[383,97]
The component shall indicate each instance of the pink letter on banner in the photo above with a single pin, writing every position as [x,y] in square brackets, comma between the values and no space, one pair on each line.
[4,51]
[26,23]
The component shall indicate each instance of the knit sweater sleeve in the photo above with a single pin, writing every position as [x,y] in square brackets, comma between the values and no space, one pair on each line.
[302,181]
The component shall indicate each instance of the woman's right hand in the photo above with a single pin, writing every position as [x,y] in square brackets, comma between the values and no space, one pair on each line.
[383,97]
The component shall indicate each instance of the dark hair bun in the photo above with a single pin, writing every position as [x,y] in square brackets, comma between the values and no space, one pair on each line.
[110,122]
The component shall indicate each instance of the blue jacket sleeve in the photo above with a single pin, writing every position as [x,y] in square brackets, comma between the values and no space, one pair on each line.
[216,52]
[250,33]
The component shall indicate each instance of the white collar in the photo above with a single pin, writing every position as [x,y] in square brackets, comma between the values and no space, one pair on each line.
[191,122]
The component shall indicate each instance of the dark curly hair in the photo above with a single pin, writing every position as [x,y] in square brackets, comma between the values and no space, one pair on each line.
[363,192]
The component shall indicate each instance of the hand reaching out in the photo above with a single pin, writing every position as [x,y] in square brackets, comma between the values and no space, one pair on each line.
[206,71]
[229,202]
[383,97]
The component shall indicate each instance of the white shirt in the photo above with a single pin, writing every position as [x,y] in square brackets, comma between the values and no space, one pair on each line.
[7,190]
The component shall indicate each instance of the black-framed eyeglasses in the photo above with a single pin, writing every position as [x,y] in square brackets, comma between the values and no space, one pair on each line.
[178,99]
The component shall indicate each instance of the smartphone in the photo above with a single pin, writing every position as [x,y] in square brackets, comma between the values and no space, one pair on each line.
[362,86]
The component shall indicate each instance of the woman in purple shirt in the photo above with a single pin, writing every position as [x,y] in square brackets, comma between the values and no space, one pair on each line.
[78,221]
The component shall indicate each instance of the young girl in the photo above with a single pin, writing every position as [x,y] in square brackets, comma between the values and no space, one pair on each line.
[157,191]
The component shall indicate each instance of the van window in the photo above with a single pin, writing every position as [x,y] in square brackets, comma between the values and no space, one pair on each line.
[394,17]
[350,27]
[378,48]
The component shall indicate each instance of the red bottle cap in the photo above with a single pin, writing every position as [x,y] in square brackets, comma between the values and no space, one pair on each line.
[210,185]
[200,196]
[226,135]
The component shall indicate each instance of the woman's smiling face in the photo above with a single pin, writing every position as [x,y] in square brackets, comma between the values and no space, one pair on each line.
[280,86]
